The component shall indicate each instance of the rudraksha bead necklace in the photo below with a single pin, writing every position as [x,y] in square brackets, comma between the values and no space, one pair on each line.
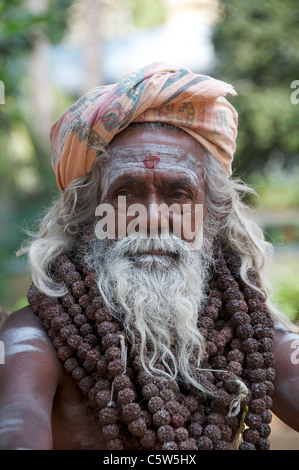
[136,410]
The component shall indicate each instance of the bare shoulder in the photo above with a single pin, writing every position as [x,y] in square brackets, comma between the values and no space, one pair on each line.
[25,342]
[29,377]
[286,345]
[22,317]
[284,337]
[286,382]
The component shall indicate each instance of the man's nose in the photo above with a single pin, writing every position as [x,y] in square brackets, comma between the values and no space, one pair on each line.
[158,217]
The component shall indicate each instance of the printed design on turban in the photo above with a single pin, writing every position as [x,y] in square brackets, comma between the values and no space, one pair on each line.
[155,93]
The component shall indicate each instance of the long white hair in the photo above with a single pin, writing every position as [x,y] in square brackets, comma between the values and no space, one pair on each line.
[72,214]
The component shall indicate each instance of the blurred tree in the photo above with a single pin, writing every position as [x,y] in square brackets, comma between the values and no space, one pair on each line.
[20,27]
[257,50]
[24,156]
[147,13]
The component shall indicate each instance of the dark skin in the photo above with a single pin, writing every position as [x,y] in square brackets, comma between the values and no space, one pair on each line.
[40,404]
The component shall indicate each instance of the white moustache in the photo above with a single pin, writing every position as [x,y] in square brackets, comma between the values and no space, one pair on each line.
[157,297]
[138,246]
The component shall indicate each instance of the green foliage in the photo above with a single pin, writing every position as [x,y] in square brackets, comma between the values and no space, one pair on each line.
[147,13]
[257,47]
[277,189]
[19,28]
[285,282]
[257,50]
[18,24]
[24,158]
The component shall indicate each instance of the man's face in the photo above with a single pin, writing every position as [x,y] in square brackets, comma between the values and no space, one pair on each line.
[154,169]
[154,286]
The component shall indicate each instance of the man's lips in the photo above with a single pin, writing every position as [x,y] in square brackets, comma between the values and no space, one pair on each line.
[154,253]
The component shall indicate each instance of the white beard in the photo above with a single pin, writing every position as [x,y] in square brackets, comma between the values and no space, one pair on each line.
[156,298]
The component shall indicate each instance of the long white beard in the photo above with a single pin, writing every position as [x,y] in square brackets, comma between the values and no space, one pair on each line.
[156,298]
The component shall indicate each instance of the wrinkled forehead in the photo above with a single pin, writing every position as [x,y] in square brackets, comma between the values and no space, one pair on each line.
[162,151]
[159,156]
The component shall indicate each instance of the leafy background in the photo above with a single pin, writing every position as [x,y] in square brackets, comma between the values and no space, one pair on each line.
[256,48]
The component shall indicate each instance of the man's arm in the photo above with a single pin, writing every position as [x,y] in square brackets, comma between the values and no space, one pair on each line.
[28,382]
[286,392]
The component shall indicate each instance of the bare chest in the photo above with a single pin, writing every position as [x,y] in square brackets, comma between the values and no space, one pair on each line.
[73,428]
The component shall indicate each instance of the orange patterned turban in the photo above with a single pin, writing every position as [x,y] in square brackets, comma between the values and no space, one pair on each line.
[155,93]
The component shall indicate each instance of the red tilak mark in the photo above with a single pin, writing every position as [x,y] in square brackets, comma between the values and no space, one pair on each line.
[150,161]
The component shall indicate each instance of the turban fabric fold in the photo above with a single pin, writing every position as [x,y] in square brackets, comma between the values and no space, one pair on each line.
[155,93]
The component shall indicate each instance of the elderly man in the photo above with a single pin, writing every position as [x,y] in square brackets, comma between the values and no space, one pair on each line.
[136,338]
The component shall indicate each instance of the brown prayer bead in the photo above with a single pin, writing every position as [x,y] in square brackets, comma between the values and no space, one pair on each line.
[239,338]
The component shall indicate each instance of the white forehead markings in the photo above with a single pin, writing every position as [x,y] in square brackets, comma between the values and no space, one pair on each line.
[16,340]
[128,150]
[137,151]
[130,155]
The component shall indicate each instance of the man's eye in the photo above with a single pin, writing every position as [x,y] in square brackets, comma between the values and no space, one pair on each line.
[179,195]
[125,192]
